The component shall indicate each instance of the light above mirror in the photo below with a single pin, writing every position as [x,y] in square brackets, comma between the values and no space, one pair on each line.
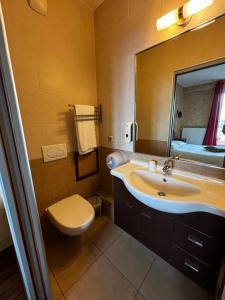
[181,15]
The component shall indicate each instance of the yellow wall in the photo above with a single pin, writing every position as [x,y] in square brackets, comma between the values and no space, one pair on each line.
[122,29]
[156,69]
[53,60]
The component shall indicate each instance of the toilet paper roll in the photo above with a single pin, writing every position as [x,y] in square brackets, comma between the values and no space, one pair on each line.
[116,159]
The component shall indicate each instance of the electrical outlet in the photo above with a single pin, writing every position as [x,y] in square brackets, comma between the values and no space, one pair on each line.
[110,139]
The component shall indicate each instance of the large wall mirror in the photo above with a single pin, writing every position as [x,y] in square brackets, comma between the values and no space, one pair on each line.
[180,96]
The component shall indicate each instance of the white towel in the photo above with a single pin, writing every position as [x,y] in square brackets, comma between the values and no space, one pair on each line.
[85,130]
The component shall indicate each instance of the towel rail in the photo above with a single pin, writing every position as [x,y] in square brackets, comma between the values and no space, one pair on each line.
[97,117]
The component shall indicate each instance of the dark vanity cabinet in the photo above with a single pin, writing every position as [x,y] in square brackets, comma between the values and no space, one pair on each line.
[158,223]
[193,243]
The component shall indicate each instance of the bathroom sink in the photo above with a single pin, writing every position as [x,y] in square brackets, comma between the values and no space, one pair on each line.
[180,192]
[163,186]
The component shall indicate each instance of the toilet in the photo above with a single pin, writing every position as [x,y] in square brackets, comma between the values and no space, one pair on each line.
[72,216]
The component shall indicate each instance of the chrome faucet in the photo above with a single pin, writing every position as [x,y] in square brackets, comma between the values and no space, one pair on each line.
[168,166]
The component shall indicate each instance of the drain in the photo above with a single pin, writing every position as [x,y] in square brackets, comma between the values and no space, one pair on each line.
[162,194]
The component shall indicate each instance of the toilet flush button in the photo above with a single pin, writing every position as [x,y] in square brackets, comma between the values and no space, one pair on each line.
[54,152]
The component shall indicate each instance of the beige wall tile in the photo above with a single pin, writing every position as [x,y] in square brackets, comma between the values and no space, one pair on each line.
[55,180]
[53,59]
[123,28]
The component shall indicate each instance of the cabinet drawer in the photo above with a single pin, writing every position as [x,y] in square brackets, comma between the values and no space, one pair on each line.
[126,215]
[194,269]
[197,244]
[206,223]
[126,209]
[155,231]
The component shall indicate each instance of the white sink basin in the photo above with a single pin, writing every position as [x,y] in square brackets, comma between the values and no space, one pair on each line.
[178,193]
[163,186]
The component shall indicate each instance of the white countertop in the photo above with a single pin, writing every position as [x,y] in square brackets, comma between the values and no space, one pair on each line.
[209,198]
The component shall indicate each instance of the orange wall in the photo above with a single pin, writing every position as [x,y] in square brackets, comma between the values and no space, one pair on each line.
[122,29]
[53,59]
[156,69]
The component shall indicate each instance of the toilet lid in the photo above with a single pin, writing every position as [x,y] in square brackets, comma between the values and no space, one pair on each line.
[72,212]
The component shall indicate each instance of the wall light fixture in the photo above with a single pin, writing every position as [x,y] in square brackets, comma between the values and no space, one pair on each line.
[182,15]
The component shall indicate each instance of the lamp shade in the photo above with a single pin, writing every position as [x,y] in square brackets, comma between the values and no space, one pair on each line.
[194,6]
[167,20]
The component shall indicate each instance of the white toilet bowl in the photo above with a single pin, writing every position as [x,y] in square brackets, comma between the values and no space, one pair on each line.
[72,215]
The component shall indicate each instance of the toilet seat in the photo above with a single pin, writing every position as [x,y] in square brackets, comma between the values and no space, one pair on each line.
[72,215]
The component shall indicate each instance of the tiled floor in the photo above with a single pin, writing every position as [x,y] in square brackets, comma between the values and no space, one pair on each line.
[108,264]
[11,285]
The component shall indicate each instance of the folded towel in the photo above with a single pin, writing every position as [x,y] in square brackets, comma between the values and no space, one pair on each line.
[85,130]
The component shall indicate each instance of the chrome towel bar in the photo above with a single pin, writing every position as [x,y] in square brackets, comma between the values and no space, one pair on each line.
[97,117]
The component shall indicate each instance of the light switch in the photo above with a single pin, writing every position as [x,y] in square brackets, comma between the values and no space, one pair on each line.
[54,152]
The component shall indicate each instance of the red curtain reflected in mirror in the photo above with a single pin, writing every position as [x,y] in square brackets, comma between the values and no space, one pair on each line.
[211,135]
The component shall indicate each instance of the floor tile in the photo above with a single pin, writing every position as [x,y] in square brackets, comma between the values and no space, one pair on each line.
[56,292]
[11,282]
[139,296]
[102,282]
[165,282]
[103,232]
[131,258]
[69,258]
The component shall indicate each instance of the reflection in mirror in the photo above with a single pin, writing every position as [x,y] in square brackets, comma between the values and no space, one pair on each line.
[179,96]
[199,116]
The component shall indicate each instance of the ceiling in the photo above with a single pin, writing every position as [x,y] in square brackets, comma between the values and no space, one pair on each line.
[202,76]
[92,4]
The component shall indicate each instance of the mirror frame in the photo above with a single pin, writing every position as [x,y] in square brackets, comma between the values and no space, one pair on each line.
[173,100]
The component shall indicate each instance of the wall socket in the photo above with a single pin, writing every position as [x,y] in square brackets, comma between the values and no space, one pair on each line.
[110,139]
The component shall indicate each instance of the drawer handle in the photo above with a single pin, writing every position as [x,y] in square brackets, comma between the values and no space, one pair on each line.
[147,216]
[194,267]
[195,241]
[129,205]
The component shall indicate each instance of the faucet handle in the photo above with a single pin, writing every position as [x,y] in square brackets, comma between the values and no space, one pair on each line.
[168,166]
